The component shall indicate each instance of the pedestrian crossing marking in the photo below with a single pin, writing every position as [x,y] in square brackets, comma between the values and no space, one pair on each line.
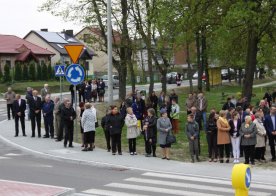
[12,154]
[159,190]
[152,183]
[4,157]
[109,193]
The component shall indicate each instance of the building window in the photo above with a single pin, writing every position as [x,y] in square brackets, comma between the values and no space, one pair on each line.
[8,62]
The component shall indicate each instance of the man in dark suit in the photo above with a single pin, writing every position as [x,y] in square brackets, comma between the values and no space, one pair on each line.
[270,126]
[35,113]
[48,114]
[19,107]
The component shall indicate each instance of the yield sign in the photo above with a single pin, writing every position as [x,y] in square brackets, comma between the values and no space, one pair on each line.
[74,51]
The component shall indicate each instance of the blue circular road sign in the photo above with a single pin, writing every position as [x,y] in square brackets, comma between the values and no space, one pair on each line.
[75,74]
[248,177]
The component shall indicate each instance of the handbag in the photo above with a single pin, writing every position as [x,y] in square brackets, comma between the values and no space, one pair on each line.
[170,139]
[96,124]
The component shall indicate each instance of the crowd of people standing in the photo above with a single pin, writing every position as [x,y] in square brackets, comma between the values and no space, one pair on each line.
[238,129]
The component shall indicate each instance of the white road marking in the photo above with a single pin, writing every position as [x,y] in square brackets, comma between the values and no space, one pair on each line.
[192,186]
[198,179]
[4,157]
[109,193]
[12,154]
[158,190]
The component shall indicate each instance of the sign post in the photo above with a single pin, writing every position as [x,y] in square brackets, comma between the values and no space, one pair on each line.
[241,179]
[60,72]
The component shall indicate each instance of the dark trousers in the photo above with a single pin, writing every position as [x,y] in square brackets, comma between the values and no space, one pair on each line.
[132,145]
[249,152]
[36,119]
[272,140]
[212,145]
[116,143]
[22,121]
[222,148]
[81,97]
[107,139]
[61,130]
[10,111]
[72,97]
[69,133]
[150,147]
[259,153]
[49,126]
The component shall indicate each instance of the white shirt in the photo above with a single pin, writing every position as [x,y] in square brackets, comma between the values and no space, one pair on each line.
[19,102]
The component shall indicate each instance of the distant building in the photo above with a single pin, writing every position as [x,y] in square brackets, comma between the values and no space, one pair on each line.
[92,37]
[55,42]
[14,49]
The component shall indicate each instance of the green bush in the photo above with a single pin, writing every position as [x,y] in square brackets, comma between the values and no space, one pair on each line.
[38,72]
[25,72]
[32,73]
[7,74]
[44,72]
[18,72]
[50,72]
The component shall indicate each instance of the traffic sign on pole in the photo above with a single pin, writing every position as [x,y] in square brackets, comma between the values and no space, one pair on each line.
[59,70]
[75,74]
[74,51]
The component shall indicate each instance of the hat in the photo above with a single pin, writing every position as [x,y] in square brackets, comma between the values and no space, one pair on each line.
[163,110]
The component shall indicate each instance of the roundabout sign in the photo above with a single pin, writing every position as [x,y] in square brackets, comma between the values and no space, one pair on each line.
[241,179]
[75,74]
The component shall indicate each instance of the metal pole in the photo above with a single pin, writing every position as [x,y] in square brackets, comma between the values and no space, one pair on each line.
[60,88]
[76,120]
[109,52]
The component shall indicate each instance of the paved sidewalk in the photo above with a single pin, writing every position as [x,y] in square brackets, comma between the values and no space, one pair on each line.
[14,188]
[48,148]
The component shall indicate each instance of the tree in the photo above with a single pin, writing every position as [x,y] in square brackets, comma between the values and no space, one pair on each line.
[32,71]
[25,72]
[18,72]
[1,74]
[94,13]
[39,72]
[44,72]
[7,74]
[50,72]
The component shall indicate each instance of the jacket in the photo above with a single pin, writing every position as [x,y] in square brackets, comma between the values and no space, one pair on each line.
[261,133]
[21,108]
[204,104]
[212,127]
[252,130]
[35,104]
[232,130]
[162,124]
[66,113]
[88,120]
[223,132]
[9,97]
[48,109]
[175,111]
[192,129]
[268,124]
[190,102]
[114,123]
[103,123]
[131,124]
[151,131]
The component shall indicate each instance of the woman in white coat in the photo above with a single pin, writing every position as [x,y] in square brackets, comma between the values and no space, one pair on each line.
[88,120]
[261,134]
[132,130]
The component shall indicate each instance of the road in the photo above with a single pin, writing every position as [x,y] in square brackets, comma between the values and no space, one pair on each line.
[17,165]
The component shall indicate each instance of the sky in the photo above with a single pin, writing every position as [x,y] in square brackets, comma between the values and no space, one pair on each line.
[19,17]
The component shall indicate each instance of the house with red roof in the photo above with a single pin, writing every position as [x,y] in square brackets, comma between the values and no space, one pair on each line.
[14,49]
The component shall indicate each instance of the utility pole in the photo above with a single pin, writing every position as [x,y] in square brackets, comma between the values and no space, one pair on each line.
[109,53]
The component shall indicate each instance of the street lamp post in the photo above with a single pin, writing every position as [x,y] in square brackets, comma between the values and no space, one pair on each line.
[109,52]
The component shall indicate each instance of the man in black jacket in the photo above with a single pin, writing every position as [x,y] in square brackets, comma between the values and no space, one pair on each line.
[68,115]
[35,112]
[19,107]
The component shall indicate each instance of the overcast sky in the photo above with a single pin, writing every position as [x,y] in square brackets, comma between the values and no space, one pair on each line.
[18,17]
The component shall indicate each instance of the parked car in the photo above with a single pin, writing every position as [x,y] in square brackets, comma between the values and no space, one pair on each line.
[195,76]
[171,77]
[225,75]
[115,80]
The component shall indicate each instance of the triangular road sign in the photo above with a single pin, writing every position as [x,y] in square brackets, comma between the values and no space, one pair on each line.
[74,51]
[60,71]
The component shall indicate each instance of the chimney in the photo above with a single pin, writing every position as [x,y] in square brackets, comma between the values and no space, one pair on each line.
[45,30]
[70,33]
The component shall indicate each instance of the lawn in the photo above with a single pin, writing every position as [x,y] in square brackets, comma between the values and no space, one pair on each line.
[180,151]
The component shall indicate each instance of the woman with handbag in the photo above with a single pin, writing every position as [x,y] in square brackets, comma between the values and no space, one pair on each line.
[132,130]
[164,127]
[150,133]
